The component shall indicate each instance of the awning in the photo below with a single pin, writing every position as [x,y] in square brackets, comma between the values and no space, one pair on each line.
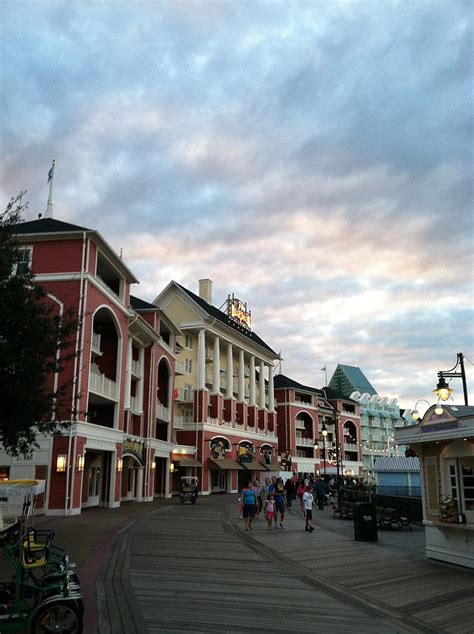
[274,467]
[253,466]
[187,462]
[226,463]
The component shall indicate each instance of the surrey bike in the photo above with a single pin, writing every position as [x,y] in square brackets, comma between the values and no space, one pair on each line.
[44,593]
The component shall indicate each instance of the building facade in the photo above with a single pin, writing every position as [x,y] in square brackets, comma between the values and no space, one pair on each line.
[444,444]
[224,406]
[120,381]
[303,413]
[379,416]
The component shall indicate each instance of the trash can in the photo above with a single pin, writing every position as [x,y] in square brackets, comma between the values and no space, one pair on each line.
[365,522]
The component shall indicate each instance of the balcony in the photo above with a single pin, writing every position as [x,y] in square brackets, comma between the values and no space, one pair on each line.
[351,447]
[100,384]
[300,424]
[178,422]
[209,354]
[134,405]
[162,412]
[304,442]
[136,368]
[185,395]
[179,367]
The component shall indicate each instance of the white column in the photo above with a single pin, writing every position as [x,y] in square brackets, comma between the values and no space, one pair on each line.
[139,484]
[261,386]
[252,381]
[271,394]
[241,395]
[141,367]
[216,369]
[128,374]
[230,372]
[201,378]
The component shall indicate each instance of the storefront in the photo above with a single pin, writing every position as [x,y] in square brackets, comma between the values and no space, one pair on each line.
[445,446]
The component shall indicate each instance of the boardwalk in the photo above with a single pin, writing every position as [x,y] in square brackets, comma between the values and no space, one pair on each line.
[193,569]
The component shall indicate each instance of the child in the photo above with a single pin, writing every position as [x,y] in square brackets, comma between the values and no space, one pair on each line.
[308,501]
[270,510]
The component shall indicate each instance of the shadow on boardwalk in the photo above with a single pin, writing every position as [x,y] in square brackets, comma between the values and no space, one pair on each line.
[193,569]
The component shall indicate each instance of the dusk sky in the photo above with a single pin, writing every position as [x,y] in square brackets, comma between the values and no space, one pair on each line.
[314,158]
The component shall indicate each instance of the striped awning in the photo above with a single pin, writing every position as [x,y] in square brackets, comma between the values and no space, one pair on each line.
[254,466]
[226,464]
[187,461]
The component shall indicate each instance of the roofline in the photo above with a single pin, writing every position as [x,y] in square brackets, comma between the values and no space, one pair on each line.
[91,233]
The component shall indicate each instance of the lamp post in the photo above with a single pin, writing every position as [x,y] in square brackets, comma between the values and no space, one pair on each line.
[336,438]
[324,433]
[442,390]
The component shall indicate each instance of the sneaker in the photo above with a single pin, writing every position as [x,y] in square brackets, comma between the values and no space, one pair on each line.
[281,525]
[276,526]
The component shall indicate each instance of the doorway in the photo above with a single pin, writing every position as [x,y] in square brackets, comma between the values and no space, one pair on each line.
[218,480]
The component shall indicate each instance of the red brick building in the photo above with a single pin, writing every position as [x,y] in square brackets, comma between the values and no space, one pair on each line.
[120,382]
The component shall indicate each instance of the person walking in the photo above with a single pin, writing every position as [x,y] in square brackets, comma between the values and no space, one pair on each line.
[290,492]
[270,511]
[301,489]
[308,501]
[249,505]
[257,487]
[320,488]
[280,502]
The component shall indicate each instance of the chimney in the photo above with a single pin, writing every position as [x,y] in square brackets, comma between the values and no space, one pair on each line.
[205,290]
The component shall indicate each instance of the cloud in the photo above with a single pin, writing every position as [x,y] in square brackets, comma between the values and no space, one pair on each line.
[314,158]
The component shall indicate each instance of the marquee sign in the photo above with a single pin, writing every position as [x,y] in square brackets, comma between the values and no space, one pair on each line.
[238,312]
[134,447]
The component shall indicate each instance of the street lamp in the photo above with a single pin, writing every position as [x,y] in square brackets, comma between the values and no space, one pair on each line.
[336,438]
[442,390]
[324,433]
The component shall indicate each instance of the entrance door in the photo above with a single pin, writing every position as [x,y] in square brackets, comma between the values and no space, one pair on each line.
[460,481]
[218,480]
[93,488]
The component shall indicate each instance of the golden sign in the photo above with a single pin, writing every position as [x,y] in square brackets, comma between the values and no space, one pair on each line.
[237,310]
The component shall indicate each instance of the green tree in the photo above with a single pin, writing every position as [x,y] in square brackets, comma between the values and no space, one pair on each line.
[35,342]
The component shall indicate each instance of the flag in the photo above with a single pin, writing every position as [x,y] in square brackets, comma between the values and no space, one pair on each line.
[323,369]
[51,173]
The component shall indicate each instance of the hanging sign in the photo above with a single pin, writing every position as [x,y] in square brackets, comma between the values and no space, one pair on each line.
[238,312]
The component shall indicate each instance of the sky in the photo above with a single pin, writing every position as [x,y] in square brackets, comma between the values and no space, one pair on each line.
[313,158]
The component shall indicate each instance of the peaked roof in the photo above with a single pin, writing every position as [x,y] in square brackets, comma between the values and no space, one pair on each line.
[225,319]
[47,225]
[334,395]
[280,381]
[140,304]
[348,378]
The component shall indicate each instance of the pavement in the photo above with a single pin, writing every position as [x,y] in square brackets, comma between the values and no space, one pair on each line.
[162,567]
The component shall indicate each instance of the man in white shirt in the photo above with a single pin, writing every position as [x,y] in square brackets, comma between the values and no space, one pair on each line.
[308,501]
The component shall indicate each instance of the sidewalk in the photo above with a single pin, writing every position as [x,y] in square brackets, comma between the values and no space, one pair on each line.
[194,569]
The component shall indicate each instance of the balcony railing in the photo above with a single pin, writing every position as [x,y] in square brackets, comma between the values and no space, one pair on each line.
[136,368]
[350,447]
[185,395]
[300,424]
[305,442]
[179,367]
[162,412]
[178,422]
[100,384]
[134,405]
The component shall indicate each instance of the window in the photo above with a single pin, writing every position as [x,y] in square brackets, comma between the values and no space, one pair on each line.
[188,366]
[188,341]
[23,264]
[4,473]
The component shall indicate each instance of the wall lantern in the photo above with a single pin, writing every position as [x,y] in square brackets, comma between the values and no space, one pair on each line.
[120,464]
[171,467]
[61,463]
[80,463]
[153,466]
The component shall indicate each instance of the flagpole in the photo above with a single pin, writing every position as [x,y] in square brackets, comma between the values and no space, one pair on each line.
[49,205]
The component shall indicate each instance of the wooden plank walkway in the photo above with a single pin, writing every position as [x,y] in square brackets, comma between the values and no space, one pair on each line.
[193,569]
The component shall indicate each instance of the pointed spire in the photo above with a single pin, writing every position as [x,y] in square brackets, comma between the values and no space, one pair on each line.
[49,206]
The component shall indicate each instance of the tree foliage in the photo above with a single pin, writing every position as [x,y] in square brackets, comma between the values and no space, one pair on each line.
[35,342]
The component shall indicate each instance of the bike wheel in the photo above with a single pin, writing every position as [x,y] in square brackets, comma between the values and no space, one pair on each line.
[61,617]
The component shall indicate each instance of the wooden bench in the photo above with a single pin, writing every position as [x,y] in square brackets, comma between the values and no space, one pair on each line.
[344,509]
[388,517]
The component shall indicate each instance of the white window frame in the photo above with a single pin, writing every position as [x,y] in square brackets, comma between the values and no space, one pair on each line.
[21,250]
